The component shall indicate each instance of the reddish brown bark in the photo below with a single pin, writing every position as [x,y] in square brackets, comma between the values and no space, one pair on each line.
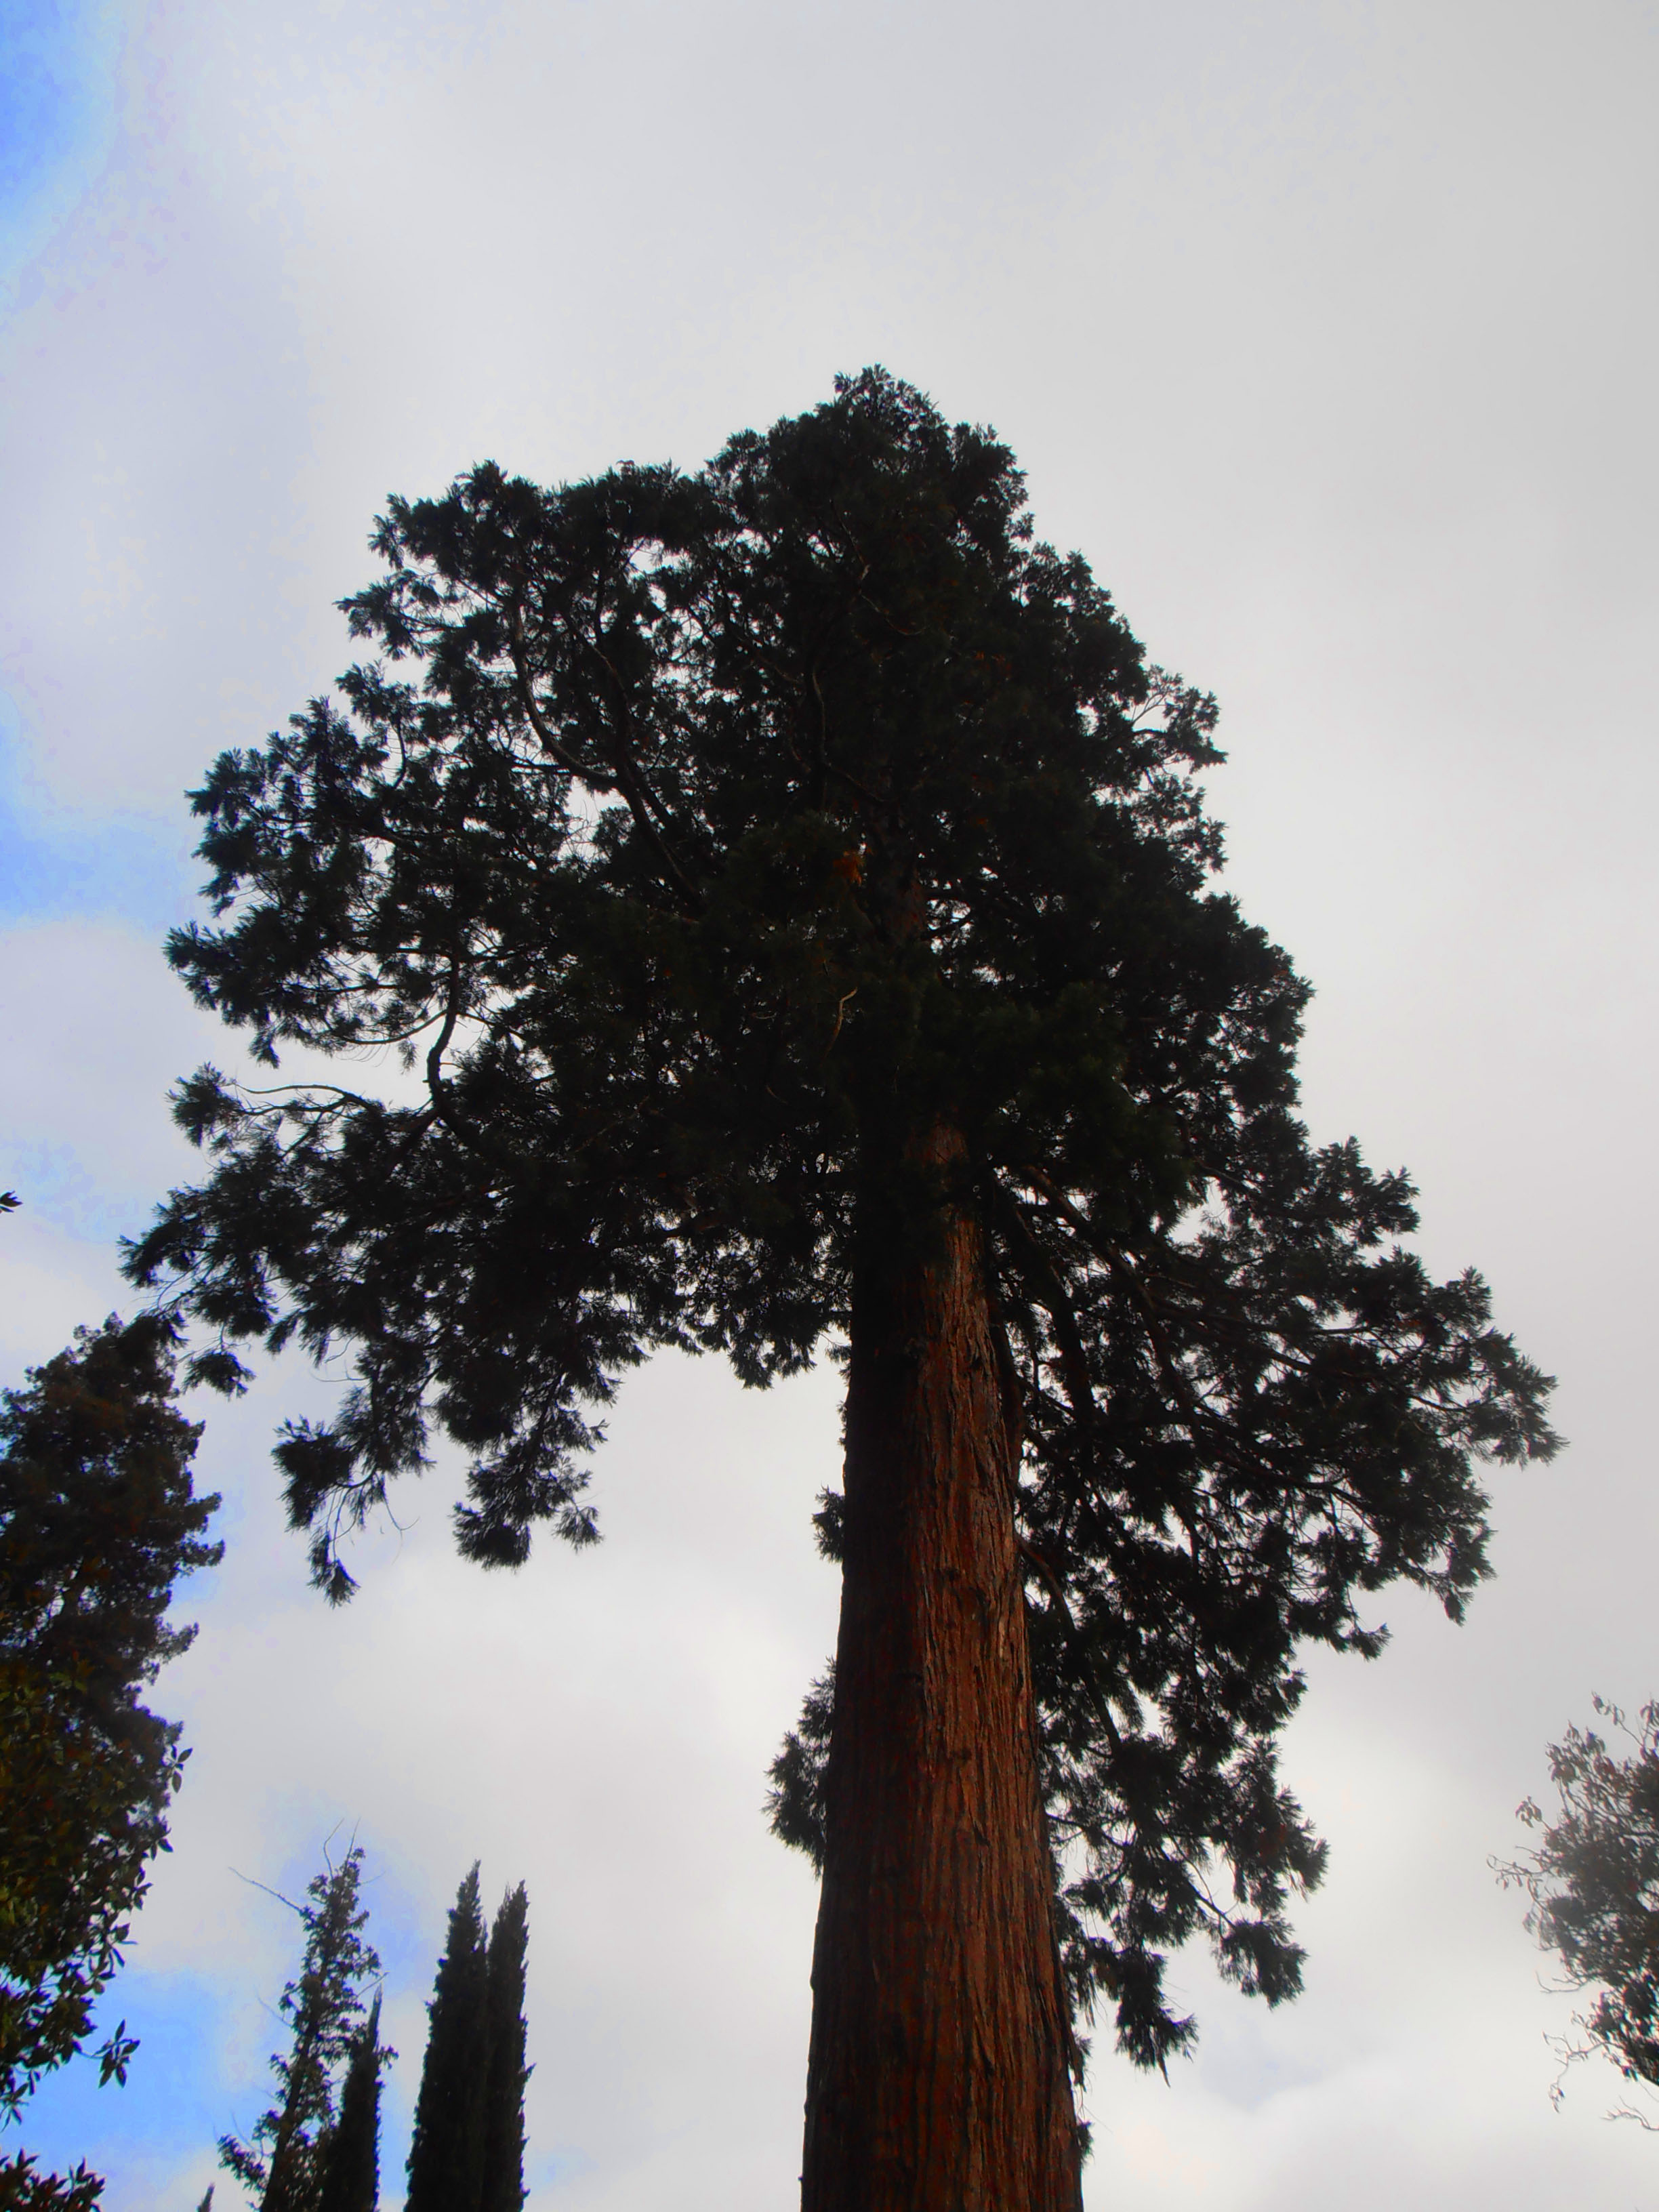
[937,2079]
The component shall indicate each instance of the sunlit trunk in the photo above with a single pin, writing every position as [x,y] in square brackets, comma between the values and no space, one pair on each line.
[937,2079]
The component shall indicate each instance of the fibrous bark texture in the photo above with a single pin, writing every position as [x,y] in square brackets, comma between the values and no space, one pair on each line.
[937,2079]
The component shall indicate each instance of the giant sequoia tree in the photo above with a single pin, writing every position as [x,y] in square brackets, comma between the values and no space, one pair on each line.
[789,886]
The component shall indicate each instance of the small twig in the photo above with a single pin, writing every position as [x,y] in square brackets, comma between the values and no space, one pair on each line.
[268,1892]
[841,1015]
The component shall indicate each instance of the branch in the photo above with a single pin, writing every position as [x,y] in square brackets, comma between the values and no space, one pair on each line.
[595,782]
[625,776]
[1028,1551]
[1049,1293]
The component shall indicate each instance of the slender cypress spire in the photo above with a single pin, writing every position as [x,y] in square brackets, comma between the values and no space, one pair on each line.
[503,2177]
[351,2177]
[446,2157]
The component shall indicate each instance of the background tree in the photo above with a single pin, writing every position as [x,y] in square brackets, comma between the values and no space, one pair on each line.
[98,1520]
[283,2164]
[24,2188]
[503,2189]
[791,882]
[467,2154]
[1593,1883]
[351,2172]
[447,2154]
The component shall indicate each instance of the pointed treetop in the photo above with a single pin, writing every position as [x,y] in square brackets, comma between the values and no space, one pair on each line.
[351,2169]
[446,2154]
[503,2189]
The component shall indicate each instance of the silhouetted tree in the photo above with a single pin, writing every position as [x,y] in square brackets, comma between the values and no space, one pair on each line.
[791,884]
[1593,1883]
[447,2155]
[503,2187]
[351,2169]
[98,1520]
[283,2163]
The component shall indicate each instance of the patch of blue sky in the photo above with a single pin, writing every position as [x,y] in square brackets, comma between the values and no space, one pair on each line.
[557,2165]
[174,2101]
[59,72]
[180,2096]
[58,861]
[59,1189]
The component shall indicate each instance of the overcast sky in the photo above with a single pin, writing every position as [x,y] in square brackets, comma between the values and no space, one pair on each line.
[1326,330]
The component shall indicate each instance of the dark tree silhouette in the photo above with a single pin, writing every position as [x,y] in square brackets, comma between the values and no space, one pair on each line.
[467,2155]
[25,2187]
[283,2164]
[351,2168]
[790,885]
[447,2155]
[1593,1880]
[503,2189]
[98,1521]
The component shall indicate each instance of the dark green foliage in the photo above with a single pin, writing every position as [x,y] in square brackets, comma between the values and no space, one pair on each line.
[24,2188]
[700,839]
[282,2166]
[447,2156]
[503,2189]
[794,1803]
[467,2155]
[352,2171]
[97,1522]
[1593,1883]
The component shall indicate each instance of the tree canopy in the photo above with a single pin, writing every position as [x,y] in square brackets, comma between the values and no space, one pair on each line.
[1593,1880]
[288,2163]
[98,1520]
[696,839]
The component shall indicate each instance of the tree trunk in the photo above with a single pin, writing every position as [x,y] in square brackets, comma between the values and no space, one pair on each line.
[938,2079]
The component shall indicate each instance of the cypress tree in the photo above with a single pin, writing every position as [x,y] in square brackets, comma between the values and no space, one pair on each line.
[794,884]
[283,2164]
[352,2171]
[447,2156]
[503,2168]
